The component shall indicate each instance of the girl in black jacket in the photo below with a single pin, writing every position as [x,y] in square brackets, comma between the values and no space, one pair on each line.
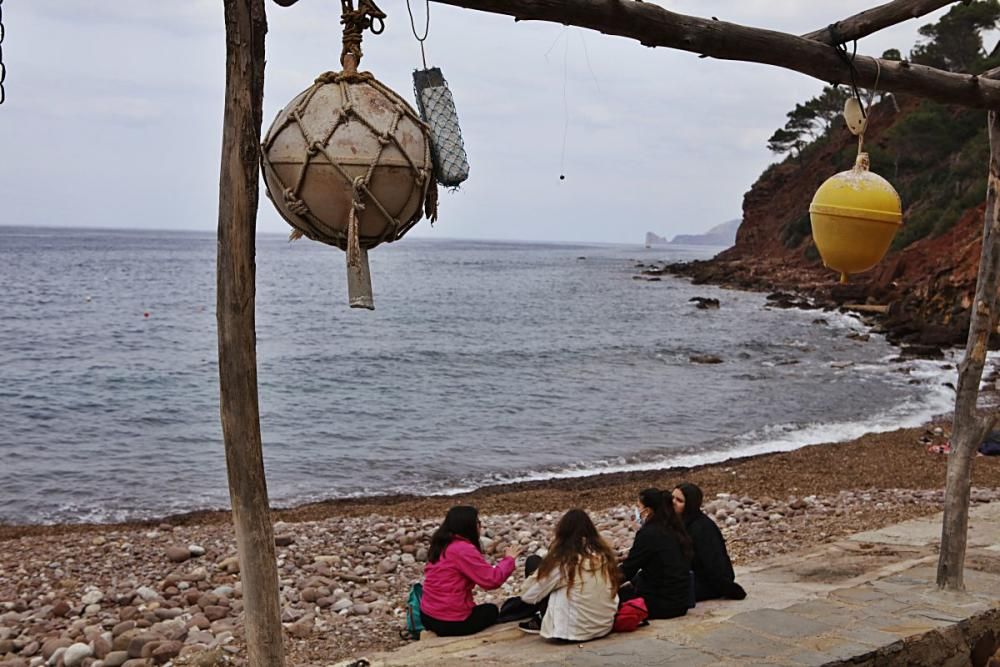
[658,563]
[713,571]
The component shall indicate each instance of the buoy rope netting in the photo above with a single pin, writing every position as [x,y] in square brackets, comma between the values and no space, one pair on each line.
[367,16]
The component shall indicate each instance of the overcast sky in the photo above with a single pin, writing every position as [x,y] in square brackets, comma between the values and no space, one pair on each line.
[114,109]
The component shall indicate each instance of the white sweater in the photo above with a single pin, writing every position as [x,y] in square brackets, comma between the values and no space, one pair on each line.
[586,612]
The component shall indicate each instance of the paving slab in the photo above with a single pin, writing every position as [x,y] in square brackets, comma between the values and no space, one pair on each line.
[869,599]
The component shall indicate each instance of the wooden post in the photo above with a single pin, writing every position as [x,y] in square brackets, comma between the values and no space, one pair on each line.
[968,429]
[246,25]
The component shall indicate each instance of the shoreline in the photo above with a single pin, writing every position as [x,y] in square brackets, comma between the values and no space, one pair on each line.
[346,566]
[847,461]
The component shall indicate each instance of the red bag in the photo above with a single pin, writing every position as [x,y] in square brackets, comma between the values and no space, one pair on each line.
[631,615]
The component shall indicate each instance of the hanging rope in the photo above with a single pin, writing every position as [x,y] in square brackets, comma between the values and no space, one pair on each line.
[841,48]
[366,17]
[3,68]
[427,28]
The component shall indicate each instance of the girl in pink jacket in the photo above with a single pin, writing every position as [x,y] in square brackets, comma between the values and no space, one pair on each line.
[455,564]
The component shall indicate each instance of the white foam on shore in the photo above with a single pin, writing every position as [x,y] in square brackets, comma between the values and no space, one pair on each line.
[937,399]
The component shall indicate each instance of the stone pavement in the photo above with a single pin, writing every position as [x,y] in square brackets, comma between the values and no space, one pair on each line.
[868,600]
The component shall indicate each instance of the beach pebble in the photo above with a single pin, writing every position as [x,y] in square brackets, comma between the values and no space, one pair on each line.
[176,554]
[115,658]
[75,654]
[196,550]
[93,596]
[146,593]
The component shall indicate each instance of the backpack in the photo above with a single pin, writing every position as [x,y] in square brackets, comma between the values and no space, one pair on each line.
[631,615]
[414,624]
[991,445]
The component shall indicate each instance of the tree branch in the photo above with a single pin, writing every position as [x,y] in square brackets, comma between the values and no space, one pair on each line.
[872,20]
[652,26]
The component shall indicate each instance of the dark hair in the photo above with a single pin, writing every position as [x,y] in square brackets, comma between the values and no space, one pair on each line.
[692,499]
[577,542]
[461,521]
[664,515]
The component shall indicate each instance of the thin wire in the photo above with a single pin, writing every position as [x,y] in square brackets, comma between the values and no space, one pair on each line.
[553,45]
[413,27]
[586,55]
[562,158]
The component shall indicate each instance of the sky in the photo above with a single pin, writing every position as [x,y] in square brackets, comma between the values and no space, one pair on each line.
[114,110]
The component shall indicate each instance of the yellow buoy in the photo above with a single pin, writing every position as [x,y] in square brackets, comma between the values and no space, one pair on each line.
[855,214]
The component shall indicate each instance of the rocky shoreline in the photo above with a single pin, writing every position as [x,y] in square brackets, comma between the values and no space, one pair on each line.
[900,319]
[169,593]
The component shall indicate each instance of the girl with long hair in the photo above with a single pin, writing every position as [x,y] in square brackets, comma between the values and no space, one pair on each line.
[455,565]
[713,570]
[576,583]
[658,564]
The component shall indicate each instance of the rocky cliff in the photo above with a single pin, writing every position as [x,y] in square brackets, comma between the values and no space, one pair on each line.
[928,284]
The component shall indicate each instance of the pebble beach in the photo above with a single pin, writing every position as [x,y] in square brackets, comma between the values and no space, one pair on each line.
[167,592]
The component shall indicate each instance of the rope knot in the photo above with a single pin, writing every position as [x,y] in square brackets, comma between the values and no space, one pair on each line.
[295,205]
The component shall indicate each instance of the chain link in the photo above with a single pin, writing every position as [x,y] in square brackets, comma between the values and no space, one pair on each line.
[3,68]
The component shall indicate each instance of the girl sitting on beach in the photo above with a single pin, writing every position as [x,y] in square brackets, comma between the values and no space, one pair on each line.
[658,565]
[576,583]
[455,564]
[713,571]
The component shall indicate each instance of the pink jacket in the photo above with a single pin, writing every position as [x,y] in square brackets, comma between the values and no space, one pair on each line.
[448,583]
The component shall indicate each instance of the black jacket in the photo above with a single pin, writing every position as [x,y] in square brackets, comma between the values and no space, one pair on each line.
[713,571]
[656,565]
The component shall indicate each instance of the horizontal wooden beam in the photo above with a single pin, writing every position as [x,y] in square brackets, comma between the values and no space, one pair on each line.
[652,25]
[872,20]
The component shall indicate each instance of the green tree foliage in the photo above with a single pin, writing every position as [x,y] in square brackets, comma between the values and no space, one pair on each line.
[935,155]
[955,43]
[808,122]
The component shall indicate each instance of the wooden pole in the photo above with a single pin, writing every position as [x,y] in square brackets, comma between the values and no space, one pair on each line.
[968,429]
[246,25]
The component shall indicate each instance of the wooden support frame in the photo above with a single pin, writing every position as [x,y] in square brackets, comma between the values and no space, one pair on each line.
[652,26]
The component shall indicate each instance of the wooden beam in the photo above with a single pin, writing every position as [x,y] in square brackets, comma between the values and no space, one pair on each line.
[653,26]
[246,25]
[869,21]
[968,428]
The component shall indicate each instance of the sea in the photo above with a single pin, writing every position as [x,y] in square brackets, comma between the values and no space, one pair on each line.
[484,362]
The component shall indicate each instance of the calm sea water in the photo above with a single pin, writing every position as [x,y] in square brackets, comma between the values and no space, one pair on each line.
[484,362]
